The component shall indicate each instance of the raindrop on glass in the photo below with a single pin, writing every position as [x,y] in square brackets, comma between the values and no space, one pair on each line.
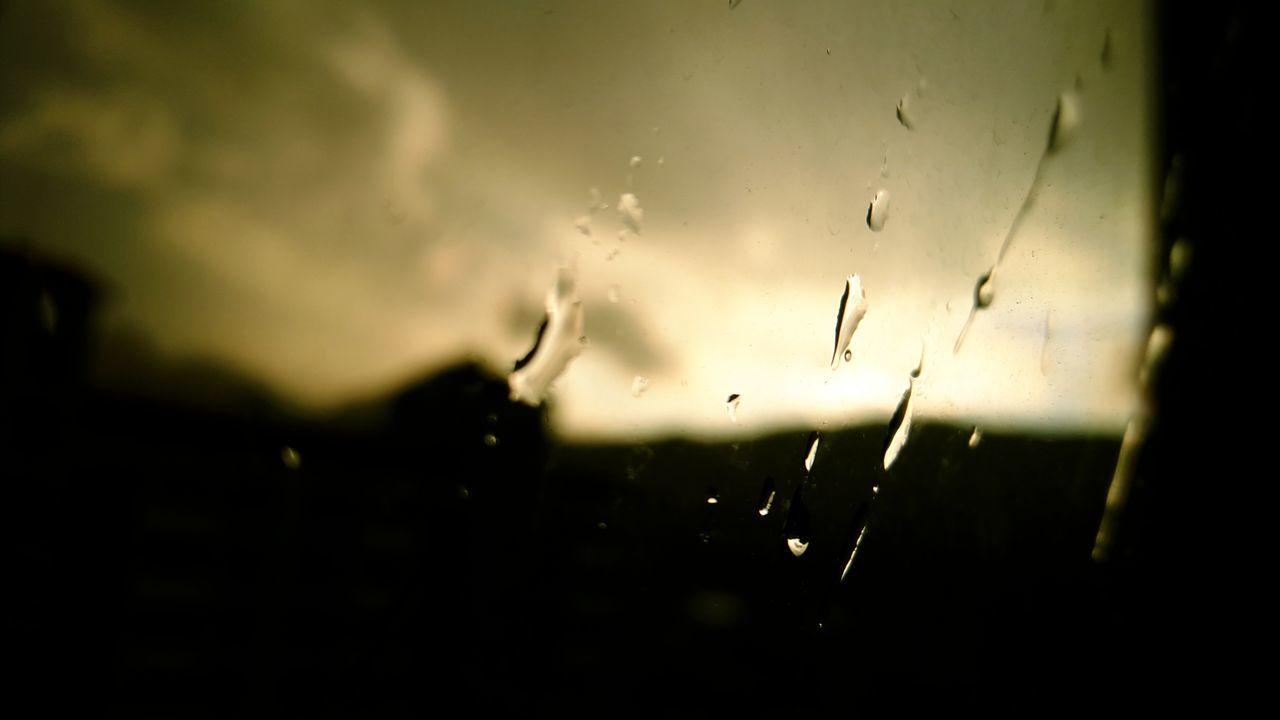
[490,439]
[848,355]
[1066,119]
[899,427]
[1106,55]
[767,494]
[1158,343]
[630,212]
[734,3]
[853,307]
[290,458]
[557,343]
[639,384]
[853,554]
[635,162]
[713,496]
[878,211]
[583,224]
[985,291]
[798,526]
[732,405]
[904,115]
[975,437]
[812,451]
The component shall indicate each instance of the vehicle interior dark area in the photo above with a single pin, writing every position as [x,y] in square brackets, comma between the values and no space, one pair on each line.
[183,539]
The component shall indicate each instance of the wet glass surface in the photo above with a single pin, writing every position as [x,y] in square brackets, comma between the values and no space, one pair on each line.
[404,356]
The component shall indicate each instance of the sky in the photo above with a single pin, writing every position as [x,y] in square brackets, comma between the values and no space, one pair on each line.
[337,197]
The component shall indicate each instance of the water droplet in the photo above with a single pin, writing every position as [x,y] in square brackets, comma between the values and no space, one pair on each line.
[639,384]
[463,492]
[622,235]
[732,405]
[985,291]
[635,162]
[491,440]
[713,496]
[856,544]
[1106,55]
[975,437]
[1135,434]
[848,355]
[630,212]
[557,343]
[798,528]
[1158,343]
[853,307]
[662,160]
[290,458]
[878,211]
[583,224]
[612,254]
[904,115]
[1066,119]
[922,86]
[602,526]
[767,494]
[492,419]
[812,452]
[734,3]
[899,427]
[613,294]
[704,537]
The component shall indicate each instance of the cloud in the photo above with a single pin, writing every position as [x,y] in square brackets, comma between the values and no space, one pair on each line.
[337,198]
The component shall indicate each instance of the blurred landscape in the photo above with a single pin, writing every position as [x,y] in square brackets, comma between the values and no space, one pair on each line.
[183,539]
[194,548]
